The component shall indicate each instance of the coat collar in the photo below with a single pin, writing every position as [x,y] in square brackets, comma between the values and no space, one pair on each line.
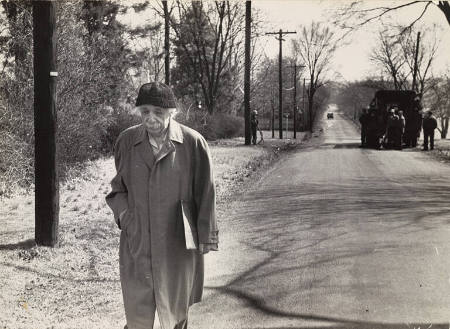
[175,133]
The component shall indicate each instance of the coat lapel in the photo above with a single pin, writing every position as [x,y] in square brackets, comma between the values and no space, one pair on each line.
[144,148]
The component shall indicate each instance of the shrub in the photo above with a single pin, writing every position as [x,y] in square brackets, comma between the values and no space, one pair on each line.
[122,118]
[16,163]
[213,127]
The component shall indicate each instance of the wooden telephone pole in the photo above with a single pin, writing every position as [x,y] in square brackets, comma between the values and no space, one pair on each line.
[303,106]
[248,20]
[414,82]
[295,66]
[280,34]
[166,43]
[46,171]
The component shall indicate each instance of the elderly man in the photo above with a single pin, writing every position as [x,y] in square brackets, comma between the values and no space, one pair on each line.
[163,200]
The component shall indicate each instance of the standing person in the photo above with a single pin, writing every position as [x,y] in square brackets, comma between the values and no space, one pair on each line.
[415,125]
[254,125]
[429,125]
[402,122]
[363,120]
[163,200]
[392,129]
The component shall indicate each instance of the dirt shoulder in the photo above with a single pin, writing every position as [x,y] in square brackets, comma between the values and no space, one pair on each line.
[441,150]
[76,285]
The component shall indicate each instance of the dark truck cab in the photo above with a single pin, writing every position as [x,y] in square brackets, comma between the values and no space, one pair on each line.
[403,100]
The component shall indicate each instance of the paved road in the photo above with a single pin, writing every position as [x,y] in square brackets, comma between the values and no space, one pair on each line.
[335,237]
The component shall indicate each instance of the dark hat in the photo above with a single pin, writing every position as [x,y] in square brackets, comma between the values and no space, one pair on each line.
[157,94]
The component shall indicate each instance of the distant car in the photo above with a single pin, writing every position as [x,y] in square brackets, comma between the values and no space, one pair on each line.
[330,115]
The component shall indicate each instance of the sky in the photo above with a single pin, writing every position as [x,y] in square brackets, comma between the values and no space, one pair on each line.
[351,61]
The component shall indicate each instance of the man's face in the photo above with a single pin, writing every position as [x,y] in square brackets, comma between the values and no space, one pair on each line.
[155,119]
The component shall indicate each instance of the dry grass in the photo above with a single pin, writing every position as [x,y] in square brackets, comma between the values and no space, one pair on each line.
[442,150]
[77,284]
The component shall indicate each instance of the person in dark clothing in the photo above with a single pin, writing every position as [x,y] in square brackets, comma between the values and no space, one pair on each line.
[373,133]
[393,131]
[416,117]
[429,125]
[402,120]
[413,127]
[254,125]
[363,119]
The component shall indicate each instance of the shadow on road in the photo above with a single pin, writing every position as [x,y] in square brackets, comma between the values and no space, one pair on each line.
[305,228]
[366,325]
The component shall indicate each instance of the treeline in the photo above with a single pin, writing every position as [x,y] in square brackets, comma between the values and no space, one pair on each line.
[101,63]
[102,59]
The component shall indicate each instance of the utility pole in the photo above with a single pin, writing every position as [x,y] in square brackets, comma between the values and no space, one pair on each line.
[303,105]
[295,66]
[273,112]
[166,43]
[415,62]
[280,79]
[310,107]
[45,75]
[248,20]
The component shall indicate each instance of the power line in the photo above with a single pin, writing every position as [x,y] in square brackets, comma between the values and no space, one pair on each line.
[280,34]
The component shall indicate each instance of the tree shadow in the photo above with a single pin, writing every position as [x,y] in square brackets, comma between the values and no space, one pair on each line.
[58,277]
[22,245]
[365,325]
[274,220]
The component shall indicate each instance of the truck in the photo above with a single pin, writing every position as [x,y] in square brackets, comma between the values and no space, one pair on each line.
[399,100]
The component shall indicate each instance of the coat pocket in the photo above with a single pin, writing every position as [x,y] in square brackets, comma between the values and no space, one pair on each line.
[189,225]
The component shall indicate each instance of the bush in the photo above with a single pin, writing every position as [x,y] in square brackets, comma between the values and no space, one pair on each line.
[122,118]
[213,127]
[16,163]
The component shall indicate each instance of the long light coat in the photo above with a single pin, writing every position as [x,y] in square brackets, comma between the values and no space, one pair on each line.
[156,269]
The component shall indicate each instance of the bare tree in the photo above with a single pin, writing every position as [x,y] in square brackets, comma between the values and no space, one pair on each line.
[352,97]
[314,48]
[438,99]
[396,56]
[427,50]
[356,14]
[388,56]
[206,34]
